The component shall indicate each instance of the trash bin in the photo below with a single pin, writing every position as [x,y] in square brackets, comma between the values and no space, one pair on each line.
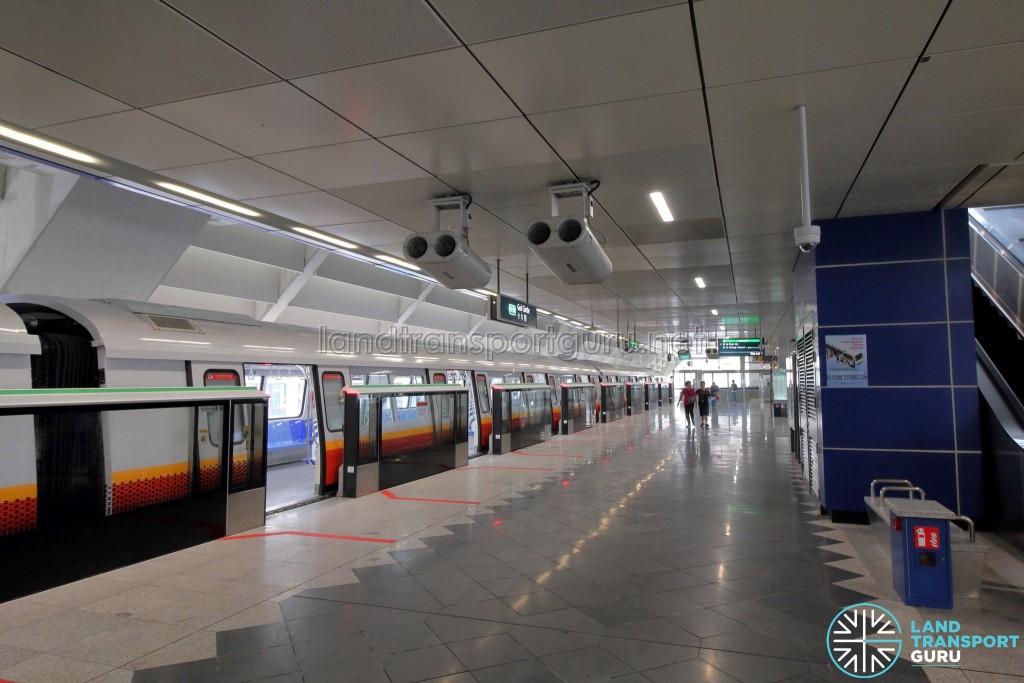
[922,566]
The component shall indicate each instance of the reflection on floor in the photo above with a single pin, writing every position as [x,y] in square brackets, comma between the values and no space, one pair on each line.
[635,551]
[290,484]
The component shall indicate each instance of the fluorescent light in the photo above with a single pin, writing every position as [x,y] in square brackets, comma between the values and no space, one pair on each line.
[175,341]
[561,317]
[721,327]
[700,282]
[543,312]
[511,364]
[485,292]
[457,360]
[484,362]
[268,348]
[326,238]
[208,199]
[660,204]
[46,145]
[427,358]
[398,262]
[395,358]
[714,311]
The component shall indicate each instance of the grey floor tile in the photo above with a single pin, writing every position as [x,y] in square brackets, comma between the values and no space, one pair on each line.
[655,630]
[453,629]
[187,672]
[751,612]
[455,577]
[692,670]
[668,603]
[642,655]
[489,651]
[754,668]
[511,586]
[570,619]
[325,626]
[491,572]
[546,641]
[587,664]
[415,636]
[263,663]
[421,665]
[535,603]
[252,638]
[370,617]
[611,614]
[464,677]
[463,593]
[531,670]
[491,610]
[705,623]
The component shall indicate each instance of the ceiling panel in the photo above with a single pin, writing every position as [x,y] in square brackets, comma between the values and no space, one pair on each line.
[970,80]
[676,231]
[314,208]
[977,137]
[477,22]
[435,90]
[837,98]
[365,162]
[880,208]
[688,207]
[601,61]
[508,187]
[268,118]
[237,179]
[139,139]
[908,183]
[686,259]
[94,43]
[978,23]
[757,39]
[396,200]
[760,243]
[302,37]
[647,123]
[34,96]
[640,173]
[474,147]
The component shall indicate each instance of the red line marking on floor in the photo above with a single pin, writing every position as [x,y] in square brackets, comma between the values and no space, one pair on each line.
[392,496]
[338,537]
[499,467]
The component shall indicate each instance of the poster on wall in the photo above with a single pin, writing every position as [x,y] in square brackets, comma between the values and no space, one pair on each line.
[846,360]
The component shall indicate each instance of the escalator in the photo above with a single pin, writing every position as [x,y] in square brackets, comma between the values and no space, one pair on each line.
[999,337]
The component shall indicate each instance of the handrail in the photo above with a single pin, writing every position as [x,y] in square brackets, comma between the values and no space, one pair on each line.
[970,526]
[875,482]
[1000,253]
[909,489]
[1001,384]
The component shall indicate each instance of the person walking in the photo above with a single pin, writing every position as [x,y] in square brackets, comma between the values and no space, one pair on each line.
[734,389]
[704,405]
[714,396]
[688,397]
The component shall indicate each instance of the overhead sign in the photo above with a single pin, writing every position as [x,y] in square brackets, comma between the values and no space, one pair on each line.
[509,310]
[740,347]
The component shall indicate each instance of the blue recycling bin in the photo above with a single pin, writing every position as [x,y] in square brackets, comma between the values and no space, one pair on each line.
[922,560]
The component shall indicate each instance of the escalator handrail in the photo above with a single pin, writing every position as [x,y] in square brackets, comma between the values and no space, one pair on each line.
[1002,386]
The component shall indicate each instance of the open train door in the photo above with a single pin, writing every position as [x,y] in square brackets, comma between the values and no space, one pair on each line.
[242,472]
[464,378]
[331,420]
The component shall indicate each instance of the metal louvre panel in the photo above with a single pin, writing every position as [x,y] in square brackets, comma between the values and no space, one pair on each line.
[812,448]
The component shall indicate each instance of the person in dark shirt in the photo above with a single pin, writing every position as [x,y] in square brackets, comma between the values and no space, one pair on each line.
[704,405]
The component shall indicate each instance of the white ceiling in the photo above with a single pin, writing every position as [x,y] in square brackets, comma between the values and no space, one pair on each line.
[352,115]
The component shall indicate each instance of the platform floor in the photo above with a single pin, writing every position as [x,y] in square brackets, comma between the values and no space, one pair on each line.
[636,551]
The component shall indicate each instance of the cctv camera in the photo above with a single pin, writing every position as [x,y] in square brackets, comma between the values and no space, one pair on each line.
[807,237]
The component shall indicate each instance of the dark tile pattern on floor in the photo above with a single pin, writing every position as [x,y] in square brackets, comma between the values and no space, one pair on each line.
[664,555]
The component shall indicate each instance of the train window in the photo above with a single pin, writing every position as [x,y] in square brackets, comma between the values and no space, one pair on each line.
[379,378]
[254,382]
[512,378]
[358,380]
[439,378]
[484,391]
[334,405]
[287,396]
[214,421]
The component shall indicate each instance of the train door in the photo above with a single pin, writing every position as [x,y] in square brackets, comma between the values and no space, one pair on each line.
[246,475]
[483,393]
[292,425]
[331,435]
[464,378]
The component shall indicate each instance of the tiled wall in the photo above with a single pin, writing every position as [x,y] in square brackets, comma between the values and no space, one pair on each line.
[904,281]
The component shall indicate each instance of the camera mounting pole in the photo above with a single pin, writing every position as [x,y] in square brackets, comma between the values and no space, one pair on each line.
[574,189]
[448,203]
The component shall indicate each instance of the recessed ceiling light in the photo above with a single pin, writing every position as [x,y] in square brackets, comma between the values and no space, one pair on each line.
[714,311]
[398,262]
[208,199]
[700,282]
[46,145]
[721,327]
[660,204]
[326,238]
[176,341]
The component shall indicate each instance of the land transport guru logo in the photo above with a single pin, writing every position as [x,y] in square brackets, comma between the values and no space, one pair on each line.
[865,641]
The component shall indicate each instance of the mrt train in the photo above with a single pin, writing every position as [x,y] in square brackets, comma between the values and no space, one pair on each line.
[142,458]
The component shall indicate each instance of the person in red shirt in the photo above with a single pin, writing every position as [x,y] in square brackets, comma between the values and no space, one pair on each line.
[688,397]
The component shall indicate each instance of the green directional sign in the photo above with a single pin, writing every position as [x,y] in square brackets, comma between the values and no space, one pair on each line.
[509,310]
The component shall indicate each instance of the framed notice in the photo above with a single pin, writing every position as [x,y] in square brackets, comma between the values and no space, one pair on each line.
[846,360]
